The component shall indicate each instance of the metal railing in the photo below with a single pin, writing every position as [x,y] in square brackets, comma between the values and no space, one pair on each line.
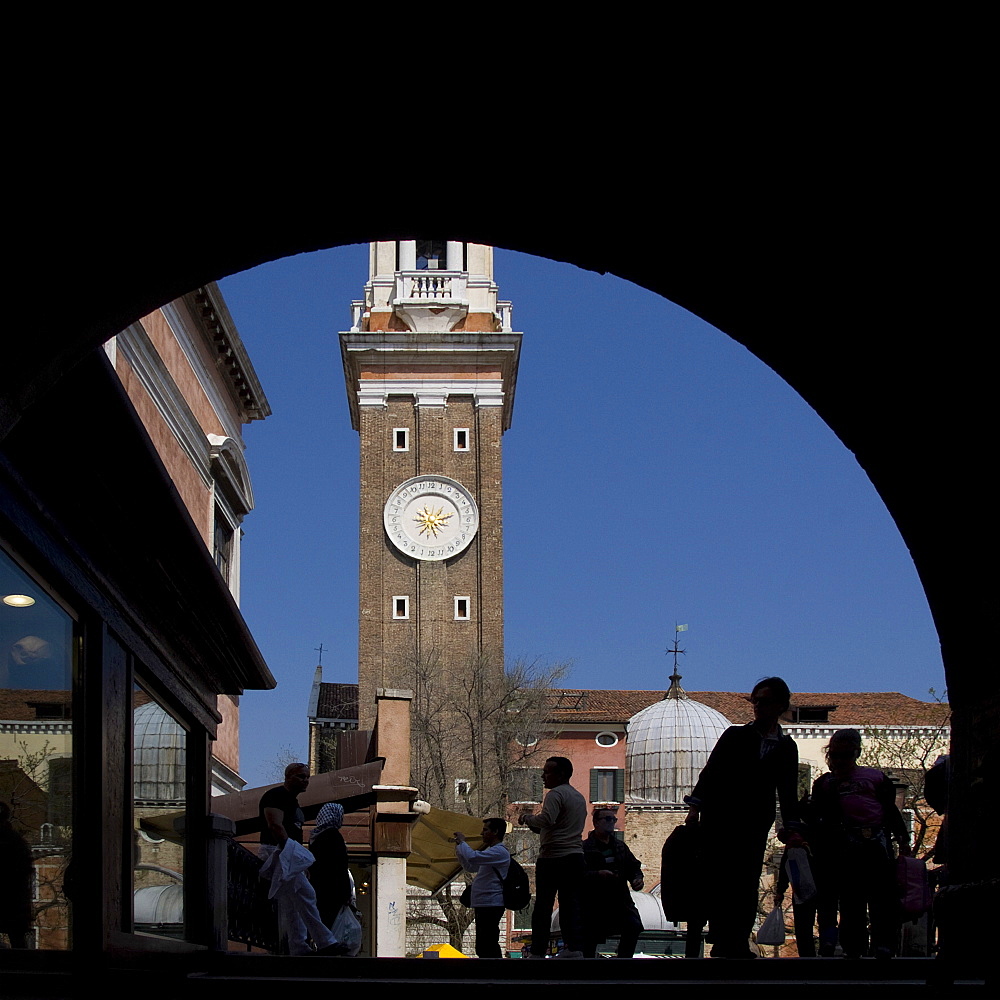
[252,920]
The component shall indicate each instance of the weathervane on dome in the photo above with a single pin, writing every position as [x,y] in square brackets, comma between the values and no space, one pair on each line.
[676,691]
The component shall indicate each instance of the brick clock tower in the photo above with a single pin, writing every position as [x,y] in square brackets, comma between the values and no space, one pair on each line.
[430,364]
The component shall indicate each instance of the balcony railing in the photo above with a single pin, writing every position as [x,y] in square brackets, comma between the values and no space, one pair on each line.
[430,285]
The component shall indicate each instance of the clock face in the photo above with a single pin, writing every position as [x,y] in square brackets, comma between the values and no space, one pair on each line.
[431,517]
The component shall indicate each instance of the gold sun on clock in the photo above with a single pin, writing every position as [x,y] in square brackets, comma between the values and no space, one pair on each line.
[432,521]
[431,518]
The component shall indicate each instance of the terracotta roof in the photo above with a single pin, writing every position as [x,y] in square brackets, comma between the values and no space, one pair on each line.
[337,701]
[22,705]
[854,708]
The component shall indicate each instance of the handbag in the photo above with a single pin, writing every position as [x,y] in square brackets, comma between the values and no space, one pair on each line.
[681,876]
[914,891]
[772,931]
[346,931]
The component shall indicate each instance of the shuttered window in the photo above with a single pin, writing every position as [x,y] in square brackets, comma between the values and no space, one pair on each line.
[607,784]
[526,785]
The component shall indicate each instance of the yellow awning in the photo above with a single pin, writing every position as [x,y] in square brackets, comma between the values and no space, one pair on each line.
[432,862]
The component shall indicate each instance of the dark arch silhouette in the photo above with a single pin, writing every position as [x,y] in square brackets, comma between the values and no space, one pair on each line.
[846,293]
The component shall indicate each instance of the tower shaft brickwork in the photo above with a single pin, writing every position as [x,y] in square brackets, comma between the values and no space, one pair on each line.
[430,366]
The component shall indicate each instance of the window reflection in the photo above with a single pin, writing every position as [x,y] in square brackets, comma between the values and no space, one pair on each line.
[159,790]
[37,650]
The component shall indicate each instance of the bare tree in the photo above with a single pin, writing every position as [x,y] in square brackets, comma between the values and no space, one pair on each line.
[471,729]
[449,913]
[476,727]
[285,755]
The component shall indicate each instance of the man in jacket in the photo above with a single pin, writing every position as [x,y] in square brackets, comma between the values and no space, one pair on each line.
[607,903]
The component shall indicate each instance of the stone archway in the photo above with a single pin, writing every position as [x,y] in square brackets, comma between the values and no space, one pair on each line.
[837,302]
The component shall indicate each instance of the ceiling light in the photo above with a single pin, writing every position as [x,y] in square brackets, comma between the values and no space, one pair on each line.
[19,600]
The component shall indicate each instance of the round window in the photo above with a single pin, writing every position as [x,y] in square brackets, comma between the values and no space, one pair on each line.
[606,739]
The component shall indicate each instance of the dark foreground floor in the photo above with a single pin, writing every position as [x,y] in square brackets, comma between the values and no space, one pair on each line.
[192,977]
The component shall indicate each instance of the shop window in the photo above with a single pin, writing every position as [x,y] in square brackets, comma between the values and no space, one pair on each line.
[39,641]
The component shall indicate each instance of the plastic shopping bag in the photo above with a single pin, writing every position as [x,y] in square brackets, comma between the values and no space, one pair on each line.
[800,874]
[772,931]
[346,931]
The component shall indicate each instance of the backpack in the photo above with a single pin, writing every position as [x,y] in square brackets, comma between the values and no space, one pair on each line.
[516,889]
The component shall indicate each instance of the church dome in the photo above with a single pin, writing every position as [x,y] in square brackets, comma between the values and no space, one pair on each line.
[158,756]
[668,744]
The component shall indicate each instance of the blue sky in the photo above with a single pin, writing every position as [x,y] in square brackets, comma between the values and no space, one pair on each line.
[656,472]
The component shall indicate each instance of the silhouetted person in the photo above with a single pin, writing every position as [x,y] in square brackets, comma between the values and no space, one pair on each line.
[857,819]
[733,803]
[328,874]
[491,865]
[15,882]
[559,867]
[281,821]
[823,906]
[612,869]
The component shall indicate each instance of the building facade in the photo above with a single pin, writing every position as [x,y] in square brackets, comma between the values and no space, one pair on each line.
[194,387]
[122,649]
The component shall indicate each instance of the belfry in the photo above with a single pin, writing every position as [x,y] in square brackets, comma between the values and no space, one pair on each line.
[430,364]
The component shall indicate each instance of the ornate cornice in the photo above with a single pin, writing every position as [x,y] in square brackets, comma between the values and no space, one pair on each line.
[423,365]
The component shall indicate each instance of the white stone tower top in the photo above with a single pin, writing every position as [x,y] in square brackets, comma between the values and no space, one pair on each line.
[430,286]
[430,327]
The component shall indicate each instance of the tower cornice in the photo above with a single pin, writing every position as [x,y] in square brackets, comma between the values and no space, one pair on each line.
[430,367]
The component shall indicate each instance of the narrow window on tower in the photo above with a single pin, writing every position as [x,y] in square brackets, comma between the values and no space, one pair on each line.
[461,609]
[400,608]
[461,439]
[401,439]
